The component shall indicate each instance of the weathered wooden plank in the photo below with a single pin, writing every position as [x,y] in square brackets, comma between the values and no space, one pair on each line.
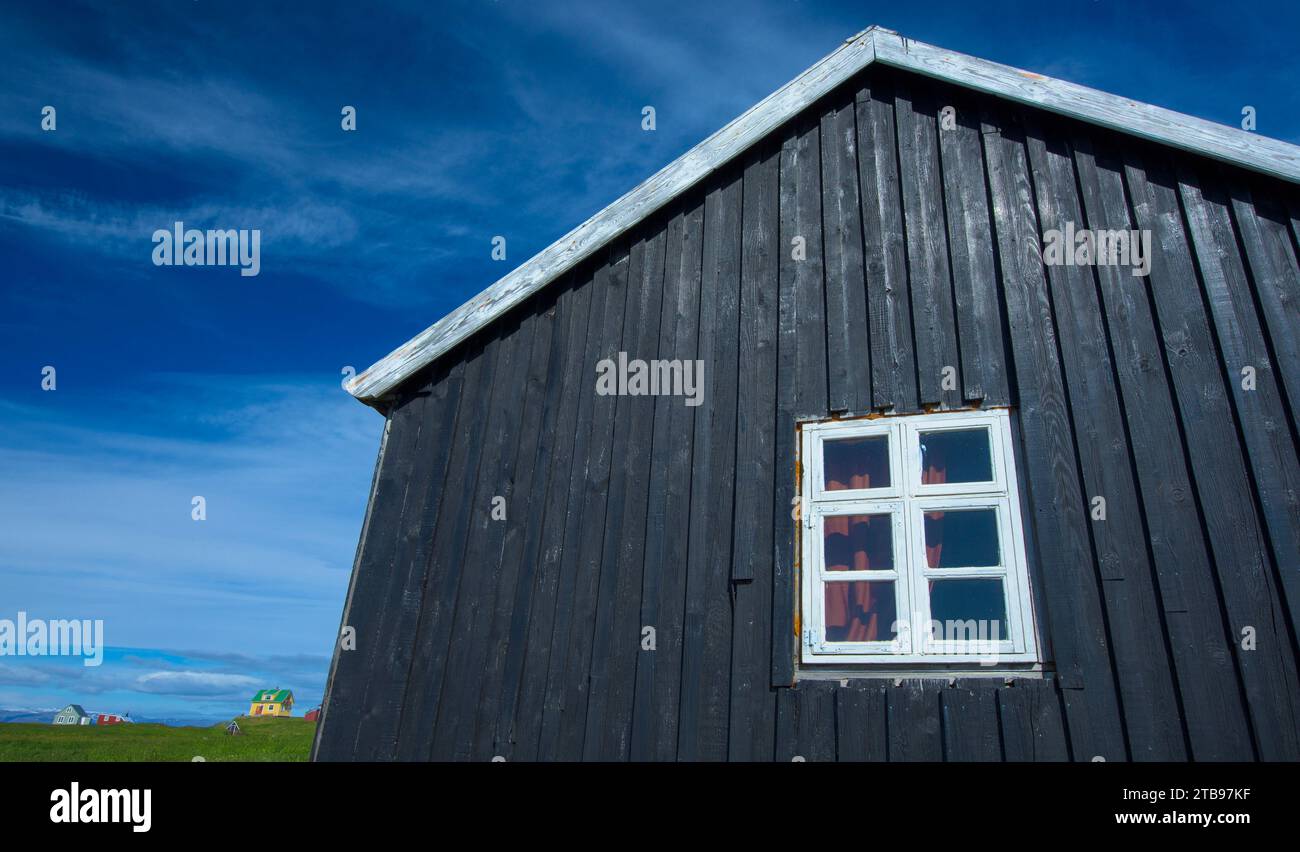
[454,724]
[621,470]
[628,624]
[475,660]
[801,380]
[390,649]
[523,517]
[1260,401]
[723,413]
[786,746]
[785,605]
[929,276]
[801,220]
[658,687]
[817,733]
[525,728]
[969,715]
[1032,727]
[756,406]
[1143,668]
[706,668]
[848,348]
[914,724]
[562,732]
[1228,515]
[618,627]
[785,602]
[889,308]
[1262,416]
[1271,256]
[753,705]
[594,348]
[438,607]
[495,733]
[1214,718]
[1064,565]
[860,715]
[974,274]
[806,723]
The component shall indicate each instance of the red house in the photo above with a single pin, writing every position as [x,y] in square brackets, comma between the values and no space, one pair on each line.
[313,715]
[111,719]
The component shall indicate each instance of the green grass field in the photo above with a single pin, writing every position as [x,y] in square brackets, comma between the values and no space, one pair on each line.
[264,739]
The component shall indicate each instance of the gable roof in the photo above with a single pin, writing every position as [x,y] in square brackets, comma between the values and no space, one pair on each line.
[277,695]
[874,45]
[75,708]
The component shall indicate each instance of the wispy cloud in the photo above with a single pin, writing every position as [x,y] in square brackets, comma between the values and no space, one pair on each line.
[197,683]
[283,466]
[295,230]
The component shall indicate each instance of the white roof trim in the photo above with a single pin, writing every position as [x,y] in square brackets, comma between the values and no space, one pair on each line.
[1220,142]
[1197,135]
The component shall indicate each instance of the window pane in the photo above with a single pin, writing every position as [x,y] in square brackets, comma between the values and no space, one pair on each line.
[956,455]
[962,538]
[859,543]
[860,611]
[856,463]
[968,610]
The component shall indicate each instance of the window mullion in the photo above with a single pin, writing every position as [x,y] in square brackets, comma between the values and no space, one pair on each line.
[917,564]
[916,570]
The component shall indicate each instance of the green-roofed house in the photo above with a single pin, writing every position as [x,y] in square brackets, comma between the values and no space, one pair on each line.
[272,702]
[73,714]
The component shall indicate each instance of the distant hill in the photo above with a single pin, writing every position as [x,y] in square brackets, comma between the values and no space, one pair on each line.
[37,716]
[47,716]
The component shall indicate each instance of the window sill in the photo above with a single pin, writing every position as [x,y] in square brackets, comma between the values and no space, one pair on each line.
[821,672]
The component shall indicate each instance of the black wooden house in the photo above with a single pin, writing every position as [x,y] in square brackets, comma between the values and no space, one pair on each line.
[920,344]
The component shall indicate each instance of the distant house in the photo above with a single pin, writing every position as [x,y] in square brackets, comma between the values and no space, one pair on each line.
[73,714]
[313,715]
[111,719]
[272,702]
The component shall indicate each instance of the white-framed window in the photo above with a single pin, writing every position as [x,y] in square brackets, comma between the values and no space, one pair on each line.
[913,550]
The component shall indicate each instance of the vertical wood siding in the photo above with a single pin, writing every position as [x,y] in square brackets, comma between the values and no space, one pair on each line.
[523,638]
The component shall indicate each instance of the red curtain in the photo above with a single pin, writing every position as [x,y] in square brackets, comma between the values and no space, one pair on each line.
[857,543]
[849,616]
[839,480]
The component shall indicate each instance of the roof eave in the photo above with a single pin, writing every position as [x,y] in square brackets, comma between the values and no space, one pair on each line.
[1218,141]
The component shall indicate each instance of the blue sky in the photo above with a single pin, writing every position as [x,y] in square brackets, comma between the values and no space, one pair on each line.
[474,119]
